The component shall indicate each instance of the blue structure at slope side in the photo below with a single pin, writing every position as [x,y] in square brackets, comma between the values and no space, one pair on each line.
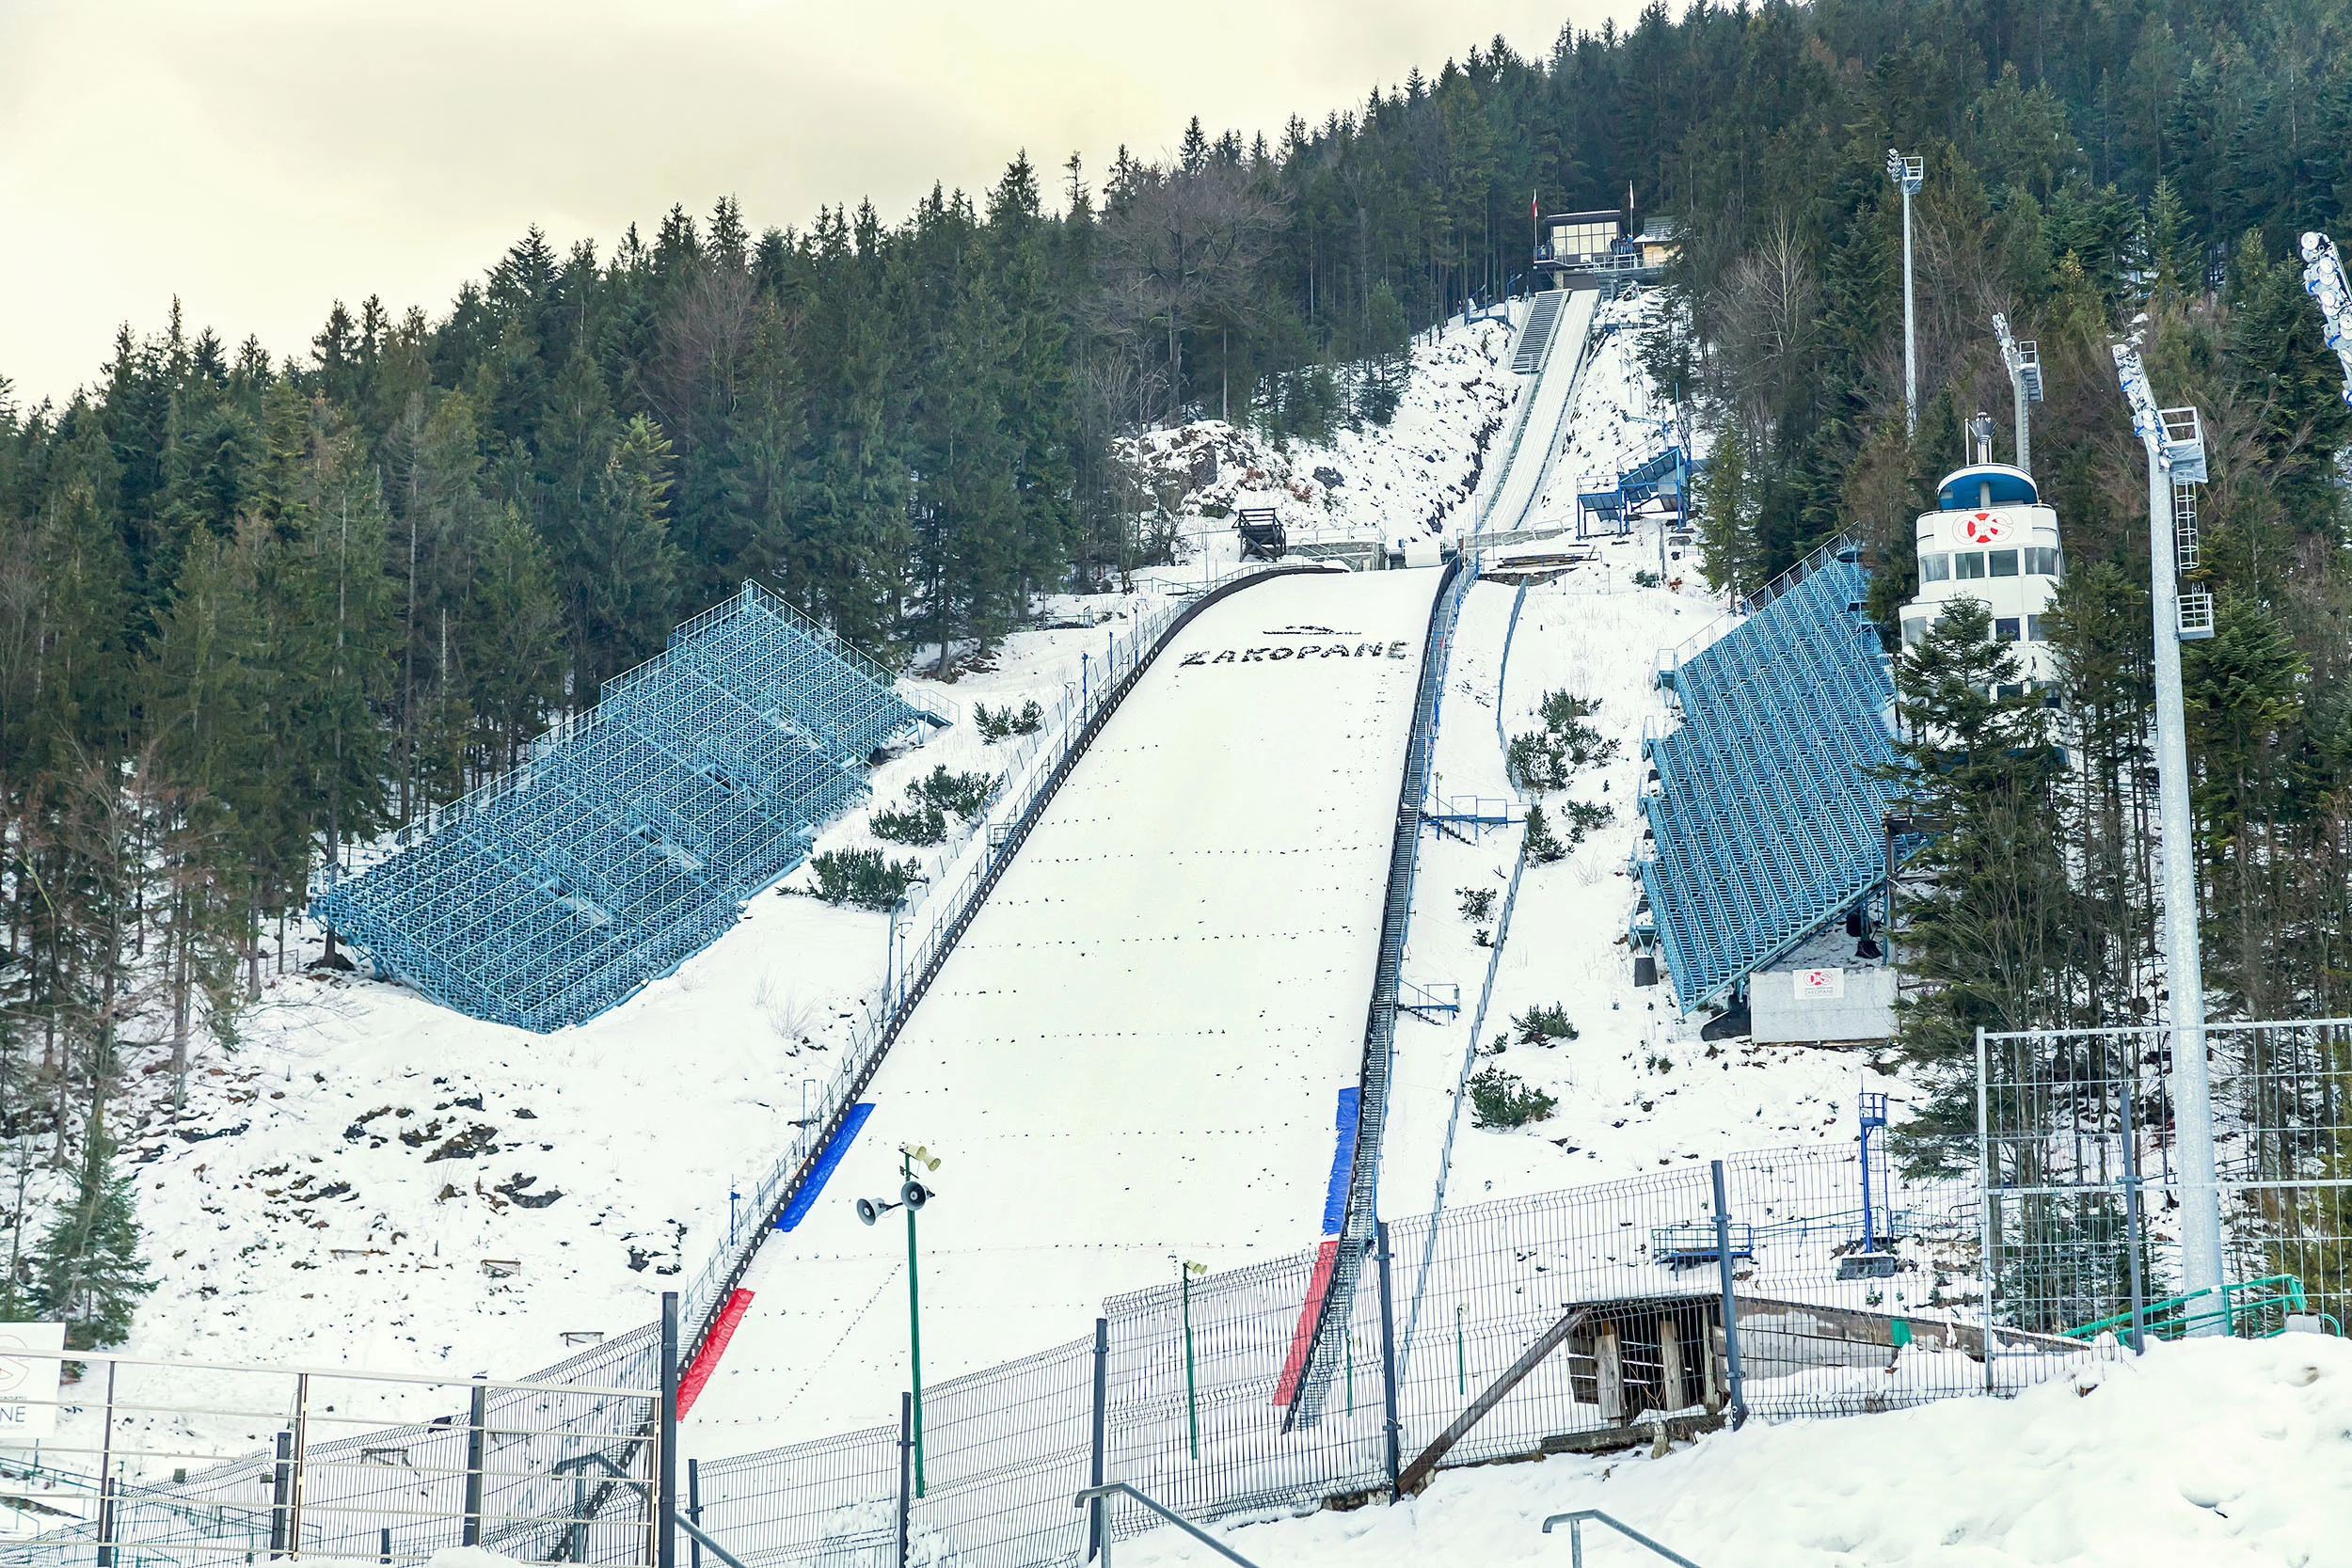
[1768,814]
[631,836]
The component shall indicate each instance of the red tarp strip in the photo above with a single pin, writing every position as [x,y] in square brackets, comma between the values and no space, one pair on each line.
[1303,1337]
[690,1388]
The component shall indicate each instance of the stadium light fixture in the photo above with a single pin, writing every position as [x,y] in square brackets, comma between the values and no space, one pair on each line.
[1909,174]
[2174,440]
[2323,280]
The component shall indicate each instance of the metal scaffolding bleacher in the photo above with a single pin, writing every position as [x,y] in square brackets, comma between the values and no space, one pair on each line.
[631,835]
[1768,812]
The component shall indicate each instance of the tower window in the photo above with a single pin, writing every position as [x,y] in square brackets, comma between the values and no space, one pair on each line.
[2040,561]
[2033,629]
[2004,563]
[2005,629]
[1969,563]
[1935,569]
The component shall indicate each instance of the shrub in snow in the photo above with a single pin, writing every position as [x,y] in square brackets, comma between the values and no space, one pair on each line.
[1501,1100]
[865,877]
[1583,816]
[964,794]
[1478,903]
[1542,1025]
[912,824]
[1541,847]
[996,723]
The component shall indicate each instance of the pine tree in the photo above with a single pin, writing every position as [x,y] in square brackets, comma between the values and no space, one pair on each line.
[88,1271]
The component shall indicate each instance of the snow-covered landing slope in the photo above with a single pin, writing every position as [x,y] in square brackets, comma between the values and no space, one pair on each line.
[1137,1047]
[2217,1453]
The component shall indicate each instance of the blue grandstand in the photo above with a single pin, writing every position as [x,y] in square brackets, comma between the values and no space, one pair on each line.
[634,832]
[1768,814]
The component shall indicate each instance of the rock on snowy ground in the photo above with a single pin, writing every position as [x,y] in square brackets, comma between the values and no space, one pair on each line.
[2216,1454]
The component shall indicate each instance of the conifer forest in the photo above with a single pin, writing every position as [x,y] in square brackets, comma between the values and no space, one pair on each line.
[257,608]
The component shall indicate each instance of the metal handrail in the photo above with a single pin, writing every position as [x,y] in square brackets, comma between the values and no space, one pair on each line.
[1091,1493]
[1575,1536]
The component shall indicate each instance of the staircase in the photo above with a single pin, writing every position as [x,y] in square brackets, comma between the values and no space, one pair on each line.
[1527,357]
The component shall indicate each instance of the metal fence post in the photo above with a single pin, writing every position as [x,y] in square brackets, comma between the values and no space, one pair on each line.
[1097,1520]
[1731,1308]
[301,1458]
[2131,1206]
[906,1470]
[694,1509]
[1391,1430]
[281,1482]
[477,1442]
[665,1481]
[107,1510]
[1985,1200]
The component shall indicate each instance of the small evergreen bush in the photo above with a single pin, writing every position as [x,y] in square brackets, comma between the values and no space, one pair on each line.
[1544,1025]
[964,794]
[1478,903]
[912,824]
[1542,848]
[865,877]
[994,725]
[1501,1101]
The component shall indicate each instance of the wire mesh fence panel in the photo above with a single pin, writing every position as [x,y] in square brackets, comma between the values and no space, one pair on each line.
[833,1503]
[1201,1384]
[2083,1198]
[1005,1452]
[557,1471]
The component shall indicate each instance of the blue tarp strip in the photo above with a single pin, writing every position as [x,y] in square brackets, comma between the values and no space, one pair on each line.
[1342,1161]
[805,1199]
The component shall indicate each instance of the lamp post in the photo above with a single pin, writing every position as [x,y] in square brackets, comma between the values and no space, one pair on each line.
[913,1194]
[2174,439]
[1908,175]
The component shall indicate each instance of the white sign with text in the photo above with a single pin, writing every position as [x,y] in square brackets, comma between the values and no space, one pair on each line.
[28,1384]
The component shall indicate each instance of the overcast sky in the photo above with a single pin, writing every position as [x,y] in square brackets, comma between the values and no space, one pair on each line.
[262,158]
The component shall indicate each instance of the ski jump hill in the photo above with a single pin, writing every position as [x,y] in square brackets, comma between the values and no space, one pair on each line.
[1146,1048]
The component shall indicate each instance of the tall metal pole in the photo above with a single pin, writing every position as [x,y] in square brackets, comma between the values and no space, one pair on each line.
[1098,1535]
[914,1324]
[1392,1428]
[665,1477]
[2192,1088]
[1731,1306]
[1907,173]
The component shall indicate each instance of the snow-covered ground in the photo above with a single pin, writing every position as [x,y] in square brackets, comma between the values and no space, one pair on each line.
[362,1178]
[1389,482]
[1138,1046]
[2217,1453]
[1513,498]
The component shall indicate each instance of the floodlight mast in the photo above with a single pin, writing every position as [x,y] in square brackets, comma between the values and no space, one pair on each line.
[2176,456]
[1908,175]
[2024,361]
[2323,279]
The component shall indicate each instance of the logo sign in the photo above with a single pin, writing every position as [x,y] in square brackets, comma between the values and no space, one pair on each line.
[1984,528]
[1819,984]
[28,1384]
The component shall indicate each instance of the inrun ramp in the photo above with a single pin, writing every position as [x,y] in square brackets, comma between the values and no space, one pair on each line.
[630,838]
[1138,1049]
[1768,814]
[1514,500]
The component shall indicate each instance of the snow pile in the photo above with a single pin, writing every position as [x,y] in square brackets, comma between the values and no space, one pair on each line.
[2222,1453]
[1385,483]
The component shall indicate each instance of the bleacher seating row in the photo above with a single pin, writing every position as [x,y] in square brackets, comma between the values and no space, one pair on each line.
[633,833]
[1768,812]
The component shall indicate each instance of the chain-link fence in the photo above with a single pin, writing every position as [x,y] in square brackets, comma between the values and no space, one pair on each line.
[558,1468]
[1578,1320]
[2082,1212]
